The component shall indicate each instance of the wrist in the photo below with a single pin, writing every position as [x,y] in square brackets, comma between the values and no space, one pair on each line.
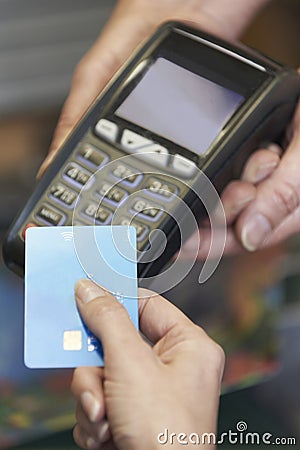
[230,18]
[226,18]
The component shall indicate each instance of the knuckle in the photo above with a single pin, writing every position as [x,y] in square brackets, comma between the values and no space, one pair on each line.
[212,350]
[217,356]
[214,362]
[186,332]
[286,197]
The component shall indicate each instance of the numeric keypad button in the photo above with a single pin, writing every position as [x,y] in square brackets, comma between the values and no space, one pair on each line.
[127,175]
[141,229]
[97,213]
[50,215]
[111,193]
[147,210]
[92,155]
[63,194]
[161,188]
[75,173]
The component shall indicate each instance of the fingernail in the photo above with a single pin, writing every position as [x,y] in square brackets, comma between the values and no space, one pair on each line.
[274,148]
[91,443]
[255,232]
[86,291]
[265,170]
[104,432]
[90,405]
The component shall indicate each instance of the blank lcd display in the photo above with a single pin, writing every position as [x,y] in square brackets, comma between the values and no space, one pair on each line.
[179,105]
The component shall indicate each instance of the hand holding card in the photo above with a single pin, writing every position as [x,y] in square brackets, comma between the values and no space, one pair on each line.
[56,257]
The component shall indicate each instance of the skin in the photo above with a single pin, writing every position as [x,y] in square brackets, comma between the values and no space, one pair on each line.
[144,389]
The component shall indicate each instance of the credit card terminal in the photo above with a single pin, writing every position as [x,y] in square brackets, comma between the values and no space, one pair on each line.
[185,104]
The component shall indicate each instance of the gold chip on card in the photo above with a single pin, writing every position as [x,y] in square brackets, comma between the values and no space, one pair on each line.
[73,340]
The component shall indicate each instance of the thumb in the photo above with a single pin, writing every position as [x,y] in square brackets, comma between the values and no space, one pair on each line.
[277,197]
[109,321]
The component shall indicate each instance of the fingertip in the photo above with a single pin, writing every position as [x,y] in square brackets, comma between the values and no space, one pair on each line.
[83,440]
[77,434]
[254,231]
[275,148]
[261,165]
[87,290]
[104,433]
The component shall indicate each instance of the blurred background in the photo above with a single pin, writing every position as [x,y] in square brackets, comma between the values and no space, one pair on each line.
[40,44]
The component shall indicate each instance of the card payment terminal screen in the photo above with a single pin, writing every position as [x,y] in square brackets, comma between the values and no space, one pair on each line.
[179,105]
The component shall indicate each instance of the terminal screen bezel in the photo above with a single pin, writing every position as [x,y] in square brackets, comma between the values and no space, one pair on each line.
[202,57]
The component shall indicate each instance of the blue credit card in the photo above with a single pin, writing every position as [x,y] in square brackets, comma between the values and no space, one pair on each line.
[55,258]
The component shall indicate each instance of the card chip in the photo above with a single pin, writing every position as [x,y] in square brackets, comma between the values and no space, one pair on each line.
[72,340]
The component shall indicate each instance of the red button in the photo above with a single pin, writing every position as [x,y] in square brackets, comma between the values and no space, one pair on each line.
[29,225]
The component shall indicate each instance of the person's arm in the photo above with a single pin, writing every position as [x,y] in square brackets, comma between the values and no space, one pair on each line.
[130,23]
[145,393]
